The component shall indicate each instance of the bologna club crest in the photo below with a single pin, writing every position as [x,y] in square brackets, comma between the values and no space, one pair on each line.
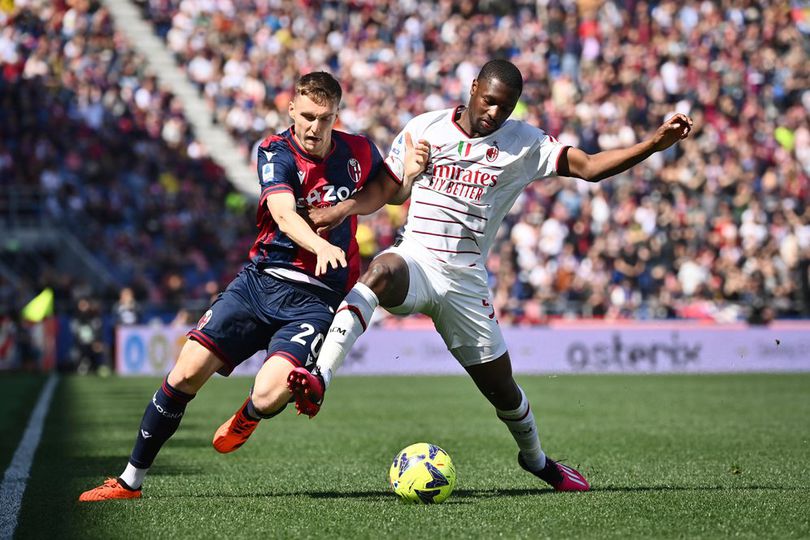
[354,170]
[204,319]
[492,152]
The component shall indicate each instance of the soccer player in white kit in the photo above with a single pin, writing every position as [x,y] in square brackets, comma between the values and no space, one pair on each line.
[478,164]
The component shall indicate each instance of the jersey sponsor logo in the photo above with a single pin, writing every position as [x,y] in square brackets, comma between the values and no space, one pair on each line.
[326,194]
[355,171]
[204,319]
[301,176]
[492,152]
[465,175]
[268,155]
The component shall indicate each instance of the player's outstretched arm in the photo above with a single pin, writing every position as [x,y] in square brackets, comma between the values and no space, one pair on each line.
[282,208]
[378,191]
[596,167]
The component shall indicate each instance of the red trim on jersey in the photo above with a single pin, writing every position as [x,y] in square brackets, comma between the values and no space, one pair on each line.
[557,161]
[445,235]
[453,209]
[453,251]
[270,139]
[448,221]
[298,149]
[262,198]
[357,313]
[209,344]
[458,127]
[391,173]
[286,356]
[276,188]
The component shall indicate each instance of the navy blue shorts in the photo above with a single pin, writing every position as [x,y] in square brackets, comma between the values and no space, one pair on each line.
[260,312]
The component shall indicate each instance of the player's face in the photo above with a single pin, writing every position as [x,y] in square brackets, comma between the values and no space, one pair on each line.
[491,103]
[313,124]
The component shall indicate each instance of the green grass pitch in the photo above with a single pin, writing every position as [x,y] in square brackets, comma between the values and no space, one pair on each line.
[668,456]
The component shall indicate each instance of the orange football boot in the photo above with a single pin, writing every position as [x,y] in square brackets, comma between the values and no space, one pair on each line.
[112,488]
[234,432]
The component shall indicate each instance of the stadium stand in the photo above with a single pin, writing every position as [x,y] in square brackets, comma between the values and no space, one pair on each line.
[95,149]
[718,228]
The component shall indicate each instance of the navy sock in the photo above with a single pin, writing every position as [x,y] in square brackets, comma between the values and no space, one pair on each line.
[160,420]
[250,411]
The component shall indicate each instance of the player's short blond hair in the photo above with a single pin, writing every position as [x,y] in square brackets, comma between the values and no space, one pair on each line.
[320,87]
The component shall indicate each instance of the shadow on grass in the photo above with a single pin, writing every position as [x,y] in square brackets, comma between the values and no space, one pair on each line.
[458,494]
[650,489]
[90,465]
[464,496]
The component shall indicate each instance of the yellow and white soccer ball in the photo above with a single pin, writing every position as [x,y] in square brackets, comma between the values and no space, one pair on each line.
[422,473]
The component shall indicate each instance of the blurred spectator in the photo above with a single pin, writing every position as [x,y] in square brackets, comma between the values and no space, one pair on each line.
[127,310]
[89,351]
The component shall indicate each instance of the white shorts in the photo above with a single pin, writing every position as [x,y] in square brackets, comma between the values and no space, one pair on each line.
[458,302]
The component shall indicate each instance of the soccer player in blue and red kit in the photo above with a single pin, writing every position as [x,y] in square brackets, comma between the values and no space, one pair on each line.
[284,300]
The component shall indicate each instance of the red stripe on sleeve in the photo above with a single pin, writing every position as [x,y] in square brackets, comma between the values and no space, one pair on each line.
[557,161]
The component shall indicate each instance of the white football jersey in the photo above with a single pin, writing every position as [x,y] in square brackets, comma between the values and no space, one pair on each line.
[469,185]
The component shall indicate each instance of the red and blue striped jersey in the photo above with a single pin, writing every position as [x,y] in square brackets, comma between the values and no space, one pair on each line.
[285,167]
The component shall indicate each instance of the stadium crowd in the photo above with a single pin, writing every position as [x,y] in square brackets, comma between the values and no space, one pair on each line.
[716,228]
[114,161]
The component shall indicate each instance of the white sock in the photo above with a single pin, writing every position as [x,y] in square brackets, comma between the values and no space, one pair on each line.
[524,430]
[350,322]
[133,476]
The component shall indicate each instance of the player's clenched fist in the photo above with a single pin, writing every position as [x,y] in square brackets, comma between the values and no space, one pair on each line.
[672,131]
[326,218]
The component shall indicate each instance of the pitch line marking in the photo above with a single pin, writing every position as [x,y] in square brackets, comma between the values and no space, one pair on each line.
[16,477]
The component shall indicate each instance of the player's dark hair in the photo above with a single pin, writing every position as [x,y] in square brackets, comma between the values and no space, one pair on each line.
[503,70]
[320,87]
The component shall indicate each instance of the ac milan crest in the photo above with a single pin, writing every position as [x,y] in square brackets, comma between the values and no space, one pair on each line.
[492,152]
[355,172]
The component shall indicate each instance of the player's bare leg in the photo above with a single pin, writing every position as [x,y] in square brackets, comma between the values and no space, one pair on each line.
[194,367]
[385,283]
[494,380]
[268,397]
